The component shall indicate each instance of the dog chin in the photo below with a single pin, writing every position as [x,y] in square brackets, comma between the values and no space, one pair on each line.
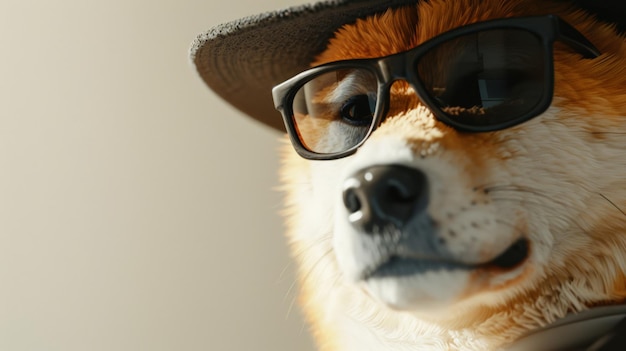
[427,292]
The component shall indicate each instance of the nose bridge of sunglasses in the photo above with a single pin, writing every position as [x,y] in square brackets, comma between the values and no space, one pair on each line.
[393,68]
[395,77]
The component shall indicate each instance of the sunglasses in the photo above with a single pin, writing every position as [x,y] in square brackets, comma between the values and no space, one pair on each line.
[482,77]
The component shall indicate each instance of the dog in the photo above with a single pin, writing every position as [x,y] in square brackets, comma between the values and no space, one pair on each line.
[427,236]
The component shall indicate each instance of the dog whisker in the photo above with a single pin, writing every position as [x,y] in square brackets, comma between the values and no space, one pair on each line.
[324,241]
[304,278]
[533,203]
[518,188]
[524,189]
[610,133]
[612,203]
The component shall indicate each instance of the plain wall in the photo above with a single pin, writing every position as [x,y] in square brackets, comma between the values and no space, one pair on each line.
[137,210]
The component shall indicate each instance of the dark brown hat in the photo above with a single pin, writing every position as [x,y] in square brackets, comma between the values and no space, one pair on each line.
[242,60]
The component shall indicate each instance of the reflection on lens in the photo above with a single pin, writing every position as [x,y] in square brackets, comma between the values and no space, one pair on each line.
[485,78]
[334,111]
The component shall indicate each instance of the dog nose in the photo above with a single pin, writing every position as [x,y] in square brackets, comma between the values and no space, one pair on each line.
[379,196]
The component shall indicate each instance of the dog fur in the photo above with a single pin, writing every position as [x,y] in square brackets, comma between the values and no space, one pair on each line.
[558,180]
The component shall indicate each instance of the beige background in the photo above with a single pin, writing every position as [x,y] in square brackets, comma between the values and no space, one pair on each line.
[136,209]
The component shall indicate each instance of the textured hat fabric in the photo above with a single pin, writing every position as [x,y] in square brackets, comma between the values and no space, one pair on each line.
[242,60]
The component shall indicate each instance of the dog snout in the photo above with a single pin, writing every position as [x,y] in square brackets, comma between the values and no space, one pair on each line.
[381,196]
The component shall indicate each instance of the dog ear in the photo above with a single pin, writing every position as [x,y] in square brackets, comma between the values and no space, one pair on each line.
[606,10]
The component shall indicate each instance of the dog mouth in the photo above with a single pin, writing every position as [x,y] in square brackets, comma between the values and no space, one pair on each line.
[398,266]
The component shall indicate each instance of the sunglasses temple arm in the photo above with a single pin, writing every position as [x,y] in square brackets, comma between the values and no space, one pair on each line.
[568,34]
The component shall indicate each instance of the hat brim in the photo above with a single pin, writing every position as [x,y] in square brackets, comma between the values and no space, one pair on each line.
[242,60]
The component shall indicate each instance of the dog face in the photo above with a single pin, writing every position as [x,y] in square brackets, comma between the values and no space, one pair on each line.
[427,230]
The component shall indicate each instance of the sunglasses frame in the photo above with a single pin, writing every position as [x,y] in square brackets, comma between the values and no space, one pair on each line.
[401,66]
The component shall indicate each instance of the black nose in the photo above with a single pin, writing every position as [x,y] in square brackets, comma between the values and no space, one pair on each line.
[379,196]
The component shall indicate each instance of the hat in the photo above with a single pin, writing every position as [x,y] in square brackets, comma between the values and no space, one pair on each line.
[242,60]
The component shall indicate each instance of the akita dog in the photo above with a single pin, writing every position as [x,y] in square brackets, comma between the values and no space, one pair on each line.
[459,174]
[449,216]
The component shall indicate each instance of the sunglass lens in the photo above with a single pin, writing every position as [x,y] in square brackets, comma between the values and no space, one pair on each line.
[334,111]
[485,80]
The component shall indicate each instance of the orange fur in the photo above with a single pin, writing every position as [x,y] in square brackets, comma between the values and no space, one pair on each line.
[589,99]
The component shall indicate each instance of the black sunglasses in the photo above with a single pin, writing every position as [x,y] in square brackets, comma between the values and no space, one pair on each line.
[482,77]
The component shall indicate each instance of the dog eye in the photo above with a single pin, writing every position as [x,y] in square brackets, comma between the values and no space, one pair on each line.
[358,110]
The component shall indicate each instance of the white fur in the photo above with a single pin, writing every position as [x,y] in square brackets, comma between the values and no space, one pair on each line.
[548,155]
